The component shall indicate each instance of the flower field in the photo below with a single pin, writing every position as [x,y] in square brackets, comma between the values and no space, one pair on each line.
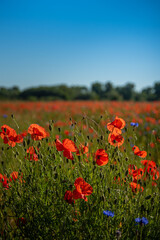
[80,170]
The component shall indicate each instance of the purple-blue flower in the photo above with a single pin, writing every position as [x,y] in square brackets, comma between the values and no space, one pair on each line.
[108,213]
[142,220]
[5,116]
[133,124]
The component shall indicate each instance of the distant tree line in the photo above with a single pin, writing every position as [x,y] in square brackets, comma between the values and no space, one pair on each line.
[98,91]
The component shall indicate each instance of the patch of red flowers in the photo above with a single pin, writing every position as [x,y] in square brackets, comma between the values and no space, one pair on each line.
[82,189]
[13,177]
[4,181]
[136,187]
[115,139]
[139,153]
[37,132]
[101,157]
[150,168]
[68,197]
[116,125]
[10,136]
[67,146]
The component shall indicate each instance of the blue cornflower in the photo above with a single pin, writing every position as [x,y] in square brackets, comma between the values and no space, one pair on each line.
[108,213]
[133,124]
[5,115]
[142,220]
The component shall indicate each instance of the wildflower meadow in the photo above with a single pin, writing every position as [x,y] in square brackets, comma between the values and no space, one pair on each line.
[80,170]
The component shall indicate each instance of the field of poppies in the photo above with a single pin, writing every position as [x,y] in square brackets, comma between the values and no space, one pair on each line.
[79,170]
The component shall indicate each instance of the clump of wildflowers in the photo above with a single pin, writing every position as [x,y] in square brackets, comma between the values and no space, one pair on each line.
[108,213]
[133,124]
[142,221]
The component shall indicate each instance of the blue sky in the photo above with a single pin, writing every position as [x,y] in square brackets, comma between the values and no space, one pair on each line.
[79,42]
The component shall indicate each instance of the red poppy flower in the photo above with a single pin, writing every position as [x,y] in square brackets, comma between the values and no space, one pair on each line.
[136,187]
[10,136]
[139,153]
[101,157]
[68,197]
[116,125]
[4,181]
[82,190]
[67,146]
[115,139]
[37,132]
[14,176]
[31,154]
[151,168]
[19,137]
[137,174]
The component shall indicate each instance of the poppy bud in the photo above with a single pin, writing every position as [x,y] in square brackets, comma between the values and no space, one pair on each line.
[126,173]
[50,127]
[12,116]
[148,197]
[39,144]
[28,141]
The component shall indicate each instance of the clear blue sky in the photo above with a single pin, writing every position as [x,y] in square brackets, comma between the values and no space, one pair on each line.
[48,42]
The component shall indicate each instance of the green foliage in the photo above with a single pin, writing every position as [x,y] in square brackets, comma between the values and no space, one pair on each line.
[98,91]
